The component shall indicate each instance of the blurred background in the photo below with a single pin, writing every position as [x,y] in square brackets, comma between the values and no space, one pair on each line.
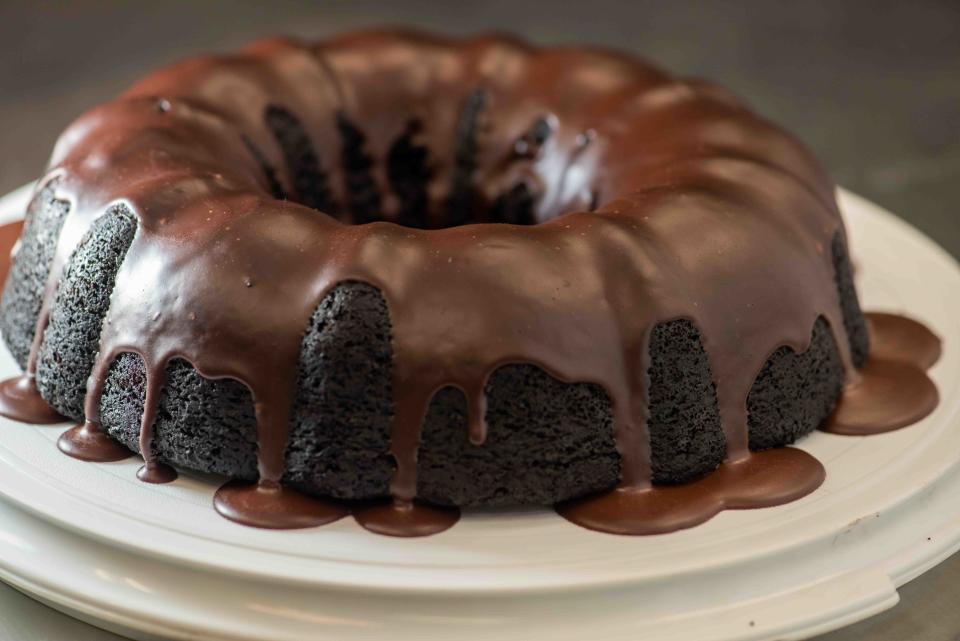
[873,86]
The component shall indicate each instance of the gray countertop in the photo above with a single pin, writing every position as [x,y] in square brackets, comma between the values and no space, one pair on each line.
[873,87]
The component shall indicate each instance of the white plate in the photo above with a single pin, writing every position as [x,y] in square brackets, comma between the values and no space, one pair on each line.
[157,559]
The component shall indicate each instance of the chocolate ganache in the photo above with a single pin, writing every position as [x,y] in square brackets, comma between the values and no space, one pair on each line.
[569,209]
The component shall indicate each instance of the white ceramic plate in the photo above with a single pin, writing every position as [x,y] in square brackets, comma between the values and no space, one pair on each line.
[92,540]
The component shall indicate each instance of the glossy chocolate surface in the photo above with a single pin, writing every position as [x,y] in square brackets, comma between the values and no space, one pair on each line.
[892,390]
[762,479]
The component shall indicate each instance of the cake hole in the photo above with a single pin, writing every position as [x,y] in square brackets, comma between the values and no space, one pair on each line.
[306,173]
[409,173]
[427,173]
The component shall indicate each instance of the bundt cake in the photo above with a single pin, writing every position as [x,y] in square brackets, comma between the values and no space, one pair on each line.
[455,273]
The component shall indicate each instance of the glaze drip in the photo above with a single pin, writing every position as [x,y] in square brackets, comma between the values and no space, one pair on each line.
[88,442]
[152,471]
[272,506]
[405,518]
[21,401]
[762,479]
[893,389]
[898,338]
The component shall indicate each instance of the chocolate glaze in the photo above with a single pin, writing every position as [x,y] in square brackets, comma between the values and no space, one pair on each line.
[892,389]
[405,518]
[888,395]
[152,471]
[762,479]
[899,338]
[657,199]
[20,400]
[273,506]
[156,473]
[88,442]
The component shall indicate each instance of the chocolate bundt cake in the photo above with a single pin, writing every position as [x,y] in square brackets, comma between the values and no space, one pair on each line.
[470,273]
